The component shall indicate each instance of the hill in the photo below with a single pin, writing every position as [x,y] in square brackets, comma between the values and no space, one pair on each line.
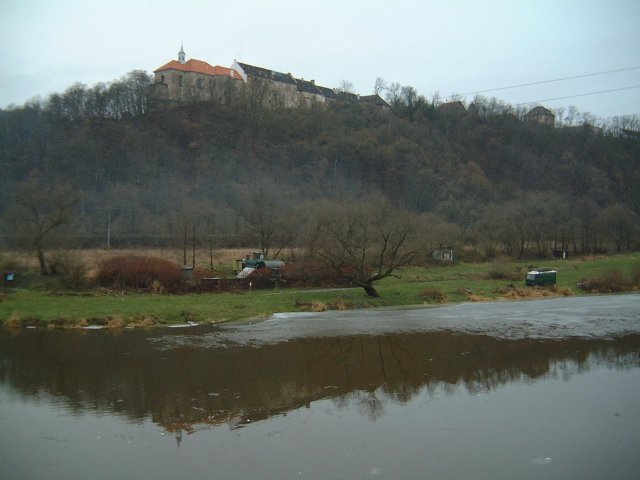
[482,178]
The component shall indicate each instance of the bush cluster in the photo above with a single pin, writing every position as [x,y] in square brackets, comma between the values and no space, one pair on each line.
[504,271]
[135,272]
[434,295]
[612,281]
[310,275]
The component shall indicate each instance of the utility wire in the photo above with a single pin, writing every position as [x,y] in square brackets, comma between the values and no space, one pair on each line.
[579,95]
[553,80]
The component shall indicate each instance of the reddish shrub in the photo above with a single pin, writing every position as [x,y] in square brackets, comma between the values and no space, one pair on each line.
[261,278]
[134,271]
[311,275]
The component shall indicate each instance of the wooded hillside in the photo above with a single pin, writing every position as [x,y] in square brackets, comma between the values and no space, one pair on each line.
[241,175]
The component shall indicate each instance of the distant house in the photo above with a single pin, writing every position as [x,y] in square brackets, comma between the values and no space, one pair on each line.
[452,107]
[376,101]
[443,254]
[628,133]
[541,116]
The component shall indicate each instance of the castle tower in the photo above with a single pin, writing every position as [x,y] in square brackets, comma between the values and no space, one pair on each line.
[181,55]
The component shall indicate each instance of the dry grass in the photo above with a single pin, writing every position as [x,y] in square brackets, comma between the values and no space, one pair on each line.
[14,321]
[612,280]
[116,322]
[478,298]
[434,295]
[341,304]
[312,306]
[523,293]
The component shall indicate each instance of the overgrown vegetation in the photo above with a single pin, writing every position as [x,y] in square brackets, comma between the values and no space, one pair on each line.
[612,280]
[139,272]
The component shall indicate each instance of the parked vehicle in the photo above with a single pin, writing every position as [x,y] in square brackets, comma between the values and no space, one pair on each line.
[541,276]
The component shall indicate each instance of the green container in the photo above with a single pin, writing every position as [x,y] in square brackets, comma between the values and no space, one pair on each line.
[541,277]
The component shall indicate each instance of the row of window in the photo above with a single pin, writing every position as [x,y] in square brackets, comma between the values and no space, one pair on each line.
[199,82]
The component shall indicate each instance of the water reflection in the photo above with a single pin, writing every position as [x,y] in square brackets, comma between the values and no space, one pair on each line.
[184,384]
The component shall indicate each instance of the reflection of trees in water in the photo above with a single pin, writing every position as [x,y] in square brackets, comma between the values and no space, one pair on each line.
[191,387]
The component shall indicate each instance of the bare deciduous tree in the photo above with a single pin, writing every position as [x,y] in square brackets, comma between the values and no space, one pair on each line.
[379,86]
[42,208]
[366,243]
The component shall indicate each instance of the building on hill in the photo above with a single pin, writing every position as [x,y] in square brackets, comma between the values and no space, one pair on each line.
[191,80]
[268,87]
[540,116]
[285,89]
[376,101]
[195,80]
[453,107]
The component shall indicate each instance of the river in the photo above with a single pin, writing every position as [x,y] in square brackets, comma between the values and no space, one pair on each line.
[546,389]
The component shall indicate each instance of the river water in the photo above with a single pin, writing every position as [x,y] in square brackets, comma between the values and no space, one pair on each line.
[531,390]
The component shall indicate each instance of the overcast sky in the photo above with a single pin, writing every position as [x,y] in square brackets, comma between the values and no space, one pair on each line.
[444,46]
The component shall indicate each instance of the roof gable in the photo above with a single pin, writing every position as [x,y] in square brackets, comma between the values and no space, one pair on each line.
[374,99]
[539,111]
[199,66]
[327,92]
[267,74]
[307,86]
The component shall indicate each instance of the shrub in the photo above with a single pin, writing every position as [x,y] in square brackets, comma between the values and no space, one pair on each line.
[504,271]
[311,275]
[261,278]
[71,271]
[635,275]
[312,306]
[611,281]
[134,271]
[341,304]
[434,295]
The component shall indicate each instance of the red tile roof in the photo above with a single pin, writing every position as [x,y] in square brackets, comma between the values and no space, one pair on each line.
[198,66]
[227,72]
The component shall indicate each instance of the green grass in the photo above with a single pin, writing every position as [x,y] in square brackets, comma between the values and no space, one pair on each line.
[37,306]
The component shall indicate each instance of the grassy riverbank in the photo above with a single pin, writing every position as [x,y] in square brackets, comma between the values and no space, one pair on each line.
[416,286]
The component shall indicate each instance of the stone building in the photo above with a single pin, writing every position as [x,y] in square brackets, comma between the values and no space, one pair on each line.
[283,88]
[376,101]
[192,80]
[195,80]
[541,116]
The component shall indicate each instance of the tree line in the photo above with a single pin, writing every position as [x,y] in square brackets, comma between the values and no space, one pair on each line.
[483,180]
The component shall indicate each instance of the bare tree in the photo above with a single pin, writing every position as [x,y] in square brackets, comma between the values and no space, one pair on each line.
[366,243]
[379,86]
[42,208]
[346,86]
[267,222]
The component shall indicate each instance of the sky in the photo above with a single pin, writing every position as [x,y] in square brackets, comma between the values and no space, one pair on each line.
[444,46]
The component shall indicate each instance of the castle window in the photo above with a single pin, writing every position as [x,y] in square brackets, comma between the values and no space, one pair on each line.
[162,79]
[179,80]
[199,83]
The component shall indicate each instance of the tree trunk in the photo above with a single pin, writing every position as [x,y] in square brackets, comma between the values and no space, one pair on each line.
[371,291]
[41,260]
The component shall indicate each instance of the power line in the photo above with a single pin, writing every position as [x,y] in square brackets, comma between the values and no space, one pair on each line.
[585,75]
[579,95]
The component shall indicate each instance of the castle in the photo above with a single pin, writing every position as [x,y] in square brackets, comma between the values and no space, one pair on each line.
[195,80]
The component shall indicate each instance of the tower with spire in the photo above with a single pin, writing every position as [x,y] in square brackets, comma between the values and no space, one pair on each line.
[181,55]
